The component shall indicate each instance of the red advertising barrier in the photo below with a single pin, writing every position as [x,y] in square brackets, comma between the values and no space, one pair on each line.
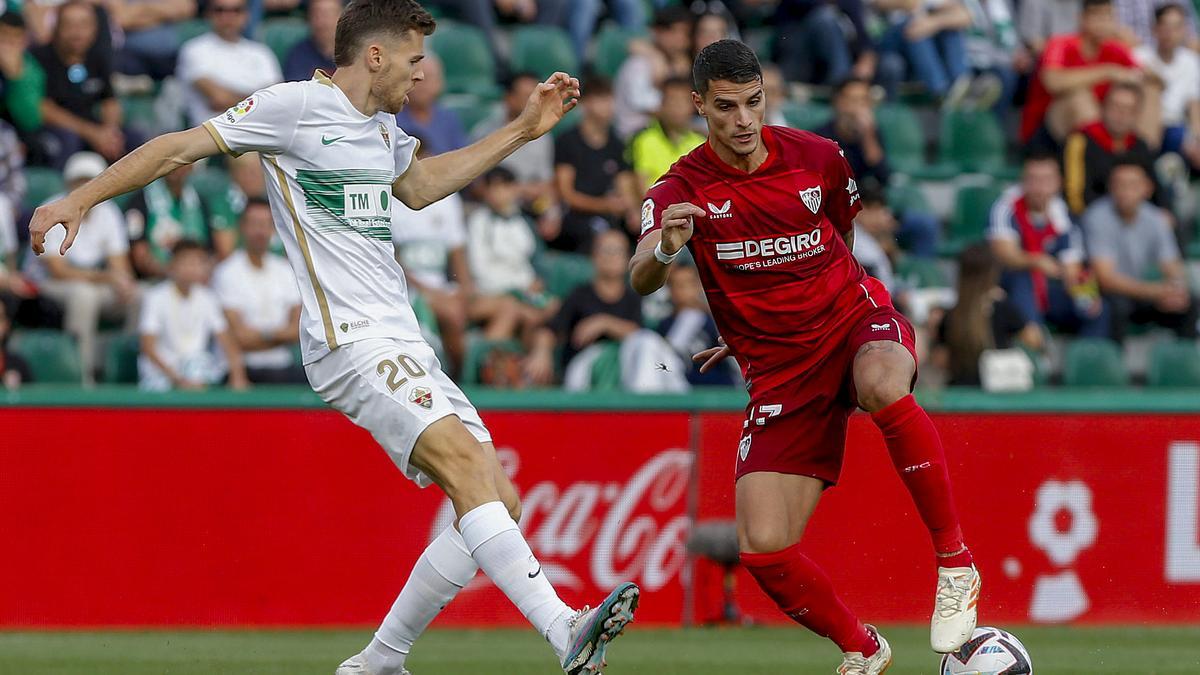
[203,517]
[188,517]
[1089,518]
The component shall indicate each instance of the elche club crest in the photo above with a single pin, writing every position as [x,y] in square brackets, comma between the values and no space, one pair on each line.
[422,397]
[387,137]
[812,198]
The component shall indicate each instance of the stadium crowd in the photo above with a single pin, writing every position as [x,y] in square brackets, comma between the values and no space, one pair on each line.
[1027,175]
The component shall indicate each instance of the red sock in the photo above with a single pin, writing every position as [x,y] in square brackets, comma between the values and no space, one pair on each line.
[804,593]
[917,454]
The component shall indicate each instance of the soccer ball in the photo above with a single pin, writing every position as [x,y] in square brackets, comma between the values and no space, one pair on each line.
[990,651]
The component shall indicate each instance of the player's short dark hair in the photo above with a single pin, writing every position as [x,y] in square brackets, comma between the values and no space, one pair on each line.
[1163,10]
[848,82]
[364,19]
[499,174]
[598,85]
[728,60]
[185,246]
[1088,4]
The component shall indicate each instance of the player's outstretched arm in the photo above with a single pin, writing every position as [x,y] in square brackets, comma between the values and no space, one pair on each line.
[433,178]
[137,169]
[650,265]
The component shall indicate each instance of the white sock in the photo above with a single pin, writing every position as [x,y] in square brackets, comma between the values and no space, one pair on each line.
[441,572]
[497,545]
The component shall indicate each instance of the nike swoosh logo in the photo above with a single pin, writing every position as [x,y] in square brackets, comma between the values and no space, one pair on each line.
[533,575]
[330,141]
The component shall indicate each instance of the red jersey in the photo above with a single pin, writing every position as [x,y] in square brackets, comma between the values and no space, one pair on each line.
[1066,51]
[779,278]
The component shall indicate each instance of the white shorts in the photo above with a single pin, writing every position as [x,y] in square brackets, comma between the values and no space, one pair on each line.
[394,389]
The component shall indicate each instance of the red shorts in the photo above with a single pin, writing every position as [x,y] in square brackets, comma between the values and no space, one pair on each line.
[799,427]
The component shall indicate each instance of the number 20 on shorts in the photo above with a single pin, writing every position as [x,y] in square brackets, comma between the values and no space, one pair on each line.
[390,369]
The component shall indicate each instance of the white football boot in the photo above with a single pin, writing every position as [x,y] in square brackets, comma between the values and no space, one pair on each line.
[591,630]
[357,665]
[955,608]
[854,663]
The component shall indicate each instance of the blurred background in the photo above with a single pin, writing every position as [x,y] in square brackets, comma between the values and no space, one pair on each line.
[1029,177]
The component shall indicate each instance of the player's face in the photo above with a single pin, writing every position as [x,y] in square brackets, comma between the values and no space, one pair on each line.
[400,70]
[734,113]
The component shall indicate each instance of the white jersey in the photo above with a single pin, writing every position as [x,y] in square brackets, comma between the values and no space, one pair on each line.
[329,173]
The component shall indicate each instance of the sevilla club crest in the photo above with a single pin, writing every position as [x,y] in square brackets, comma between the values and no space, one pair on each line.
[812,198]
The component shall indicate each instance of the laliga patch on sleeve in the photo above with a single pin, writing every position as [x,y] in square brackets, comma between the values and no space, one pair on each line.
[647,215]
[240,110]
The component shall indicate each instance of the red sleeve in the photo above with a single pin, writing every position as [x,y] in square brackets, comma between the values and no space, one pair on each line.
[662,194]
[841,204]
[1055,53]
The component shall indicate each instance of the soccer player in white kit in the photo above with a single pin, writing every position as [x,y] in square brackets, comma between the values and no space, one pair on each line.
[334,159]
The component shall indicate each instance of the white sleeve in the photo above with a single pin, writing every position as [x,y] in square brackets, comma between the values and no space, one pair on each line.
[404,149]
[266,121]
[288,288]
[1000,218]
[151,322]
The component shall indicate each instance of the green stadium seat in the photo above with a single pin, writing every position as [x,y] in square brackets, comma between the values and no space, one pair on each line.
[973,141]
[606,369]
[139,112]
[121,359]
[904,140]
[1094,362]
[612,46]
[1174,363]
[904,196]
[52,355]
[972,206]
[424,313]
[282,34]
[191,28]
[478,349]
[809,115]
[542,50]
[921,272]
[562,272]
[43,183]
[471,109]
[211,183]
[466,59]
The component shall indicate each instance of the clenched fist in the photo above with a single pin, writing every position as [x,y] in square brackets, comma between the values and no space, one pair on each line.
[677,226]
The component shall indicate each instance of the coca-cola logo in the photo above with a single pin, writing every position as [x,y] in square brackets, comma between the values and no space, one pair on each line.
[631,531]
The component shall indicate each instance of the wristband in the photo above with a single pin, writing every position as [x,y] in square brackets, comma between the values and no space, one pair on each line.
[662,257]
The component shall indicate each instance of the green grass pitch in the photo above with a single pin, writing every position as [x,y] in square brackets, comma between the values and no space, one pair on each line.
[753,651]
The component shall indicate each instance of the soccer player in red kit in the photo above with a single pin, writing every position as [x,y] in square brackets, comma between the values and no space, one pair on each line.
[767,213]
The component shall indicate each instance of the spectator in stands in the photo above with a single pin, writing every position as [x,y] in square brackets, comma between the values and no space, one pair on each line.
[669,136]
[594,180]
[1073,76]
[430,244]
[533,163]
[510,300]
[439,127]
[582,16]
[1178,68]
[1130,242]
[93,280]
[822,42]
[1138,18]
[316,51]
[709,27]
[261,301]
[601,312]
[12,176]
[222,68]
[14,370]
[875,236]
[995,55]
[1094,149]
[775,89]
[690,328]
[927,36]
[247,180]
[639,82]
[181,319]
[151,41]
[981,319]
[484,14]
[170,210]
[80,109]
[853,127]
[1040,20]
[22,80]
[1041,253]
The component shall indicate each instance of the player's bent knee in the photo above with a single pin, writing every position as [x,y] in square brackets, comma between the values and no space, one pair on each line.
[760,539]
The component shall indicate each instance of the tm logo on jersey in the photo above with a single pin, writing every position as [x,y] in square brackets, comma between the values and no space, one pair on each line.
[771,251]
